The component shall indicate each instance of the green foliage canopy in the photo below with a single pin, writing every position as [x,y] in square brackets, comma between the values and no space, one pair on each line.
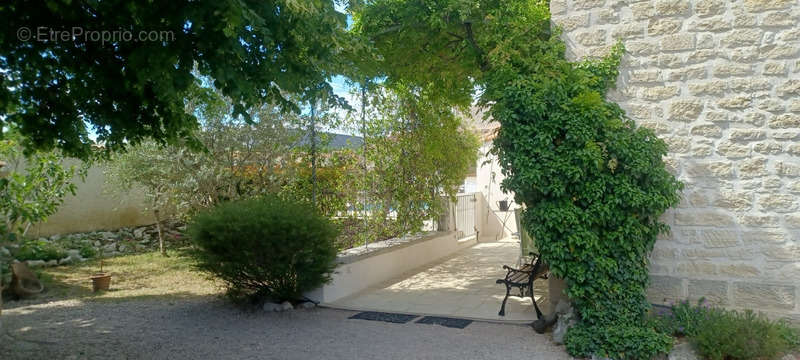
[57,90]
[31,187]
[593,183]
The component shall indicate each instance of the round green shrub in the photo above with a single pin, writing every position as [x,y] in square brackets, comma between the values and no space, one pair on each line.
[266,248]
[39,250]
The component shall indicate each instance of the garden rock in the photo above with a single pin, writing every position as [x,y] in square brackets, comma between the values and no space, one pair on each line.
[271,307]
[4,251]
[75,254]
[139,232]
[110,248]
[566,319]
[36,263]
[286,306]
[683,352]
[789,357]
[306,305]
[65,261]
[52,263]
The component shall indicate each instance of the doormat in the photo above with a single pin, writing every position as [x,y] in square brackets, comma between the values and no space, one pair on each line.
[383,316]
[443,321]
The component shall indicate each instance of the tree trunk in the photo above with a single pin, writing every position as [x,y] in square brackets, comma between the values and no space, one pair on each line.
[160,236]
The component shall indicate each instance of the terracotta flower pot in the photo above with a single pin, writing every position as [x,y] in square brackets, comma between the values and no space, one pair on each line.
[101,281]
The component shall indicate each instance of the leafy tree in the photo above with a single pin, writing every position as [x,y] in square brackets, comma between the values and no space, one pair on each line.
[31,187]
[237,159]
[593,183]
[121,69]
[417,150]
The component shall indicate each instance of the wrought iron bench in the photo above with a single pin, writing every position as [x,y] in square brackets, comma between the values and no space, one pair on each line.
[523,278]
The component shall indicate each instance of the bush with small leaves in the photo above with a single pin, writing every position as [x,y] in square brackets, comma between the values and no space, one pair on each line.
[265,249]
[725,334]
[39,250]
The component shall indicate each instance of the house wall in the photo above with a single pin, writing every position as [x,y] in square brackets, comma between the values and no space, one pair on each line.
[488,181]
[719,81]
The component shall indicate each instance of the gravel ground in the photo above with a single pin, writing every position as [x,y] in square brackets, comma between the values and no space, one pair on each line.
[207,328]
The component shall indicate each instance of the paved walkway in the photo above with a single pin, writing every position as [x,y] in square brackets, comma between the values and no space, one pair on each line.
[206,328]
[462,285]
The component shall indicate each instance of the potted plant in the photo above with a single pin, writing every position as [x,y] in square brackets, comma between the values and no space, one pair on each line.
[101,280]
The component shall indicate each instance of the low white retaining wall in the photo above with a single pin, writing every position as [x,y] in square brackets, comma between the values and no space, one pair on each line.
[359,269]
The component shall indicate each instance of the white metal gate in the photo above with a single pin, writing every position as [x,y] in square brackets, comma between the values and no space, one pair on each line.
[465,215]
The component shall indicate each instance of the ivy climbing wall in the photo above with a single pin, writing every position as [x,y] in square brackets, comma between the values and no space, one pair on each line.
[719,81]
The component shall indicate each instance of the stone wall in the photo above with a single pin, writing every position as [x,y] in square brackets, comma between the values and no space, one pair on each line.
[96,206]
[719,81]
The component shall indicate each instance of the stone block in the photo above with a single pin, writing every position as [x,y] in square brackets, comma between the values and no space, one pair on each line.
[720,238]
[789,88]
[709,7]
[760,220]
[707,130]
[677,42]
[660,92]
[587,4]
[778,19]
[685,109]
[732,150]
[713,291]
[704,218]
[696,268]
[711,24]
[764,5]
[790,253]
[742,37]
[777,51]
[663,26]
[787,169]
[700,56]
[665,289]
[764,296]
[764,237]
[558,6]
[768,148]
[732,69]
[607,16]
[753,167]
[628,31]
[778,202]
[736,201]
[589,38]
[792,221]
[671,7]
[716,169]
[734,102]
[746,135]
[774,68]
[569,23]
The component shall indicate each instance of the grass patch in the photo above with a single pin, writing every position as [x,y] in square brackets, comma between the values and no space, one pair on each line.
[133,276]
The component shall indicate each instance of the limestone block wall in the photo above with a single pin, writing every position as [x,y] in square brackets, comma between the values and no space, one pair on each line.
[719,81]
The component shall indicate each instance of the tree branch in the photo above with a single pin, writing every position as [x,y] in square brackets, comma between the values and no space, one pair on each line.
[479,51]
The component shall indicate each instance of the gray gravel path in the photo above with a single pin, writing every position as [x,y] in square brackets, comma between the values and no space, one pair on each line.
[207,328]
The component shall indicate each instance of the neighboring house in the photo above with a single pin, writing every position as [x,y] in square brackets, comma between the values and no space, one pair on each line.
[487,176]
[332,141]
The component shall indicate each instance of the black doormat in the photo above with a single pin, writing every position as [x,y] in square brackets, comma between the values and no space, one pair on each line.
[383,316]
[444,321]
